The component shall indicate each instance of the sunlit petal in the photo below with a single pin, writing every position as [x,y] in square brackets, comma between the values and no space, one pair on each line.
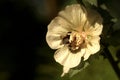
[95,30]
[94,45]
[67,58]
[75,14]
[87,54]
[61,54]
[56,29]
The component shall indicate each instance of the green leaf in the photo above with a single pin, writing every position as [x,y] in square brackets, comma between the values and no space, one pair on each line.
[113,6]
[75,71]
[113,9]
[114,20]
[114,39]
[116,26]
[99,69]
[67,2]
[104,7]
[90,2]
[113,50]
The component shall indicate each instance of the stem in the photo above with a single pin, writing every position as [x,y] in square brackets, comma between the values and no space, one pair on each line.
[112,62]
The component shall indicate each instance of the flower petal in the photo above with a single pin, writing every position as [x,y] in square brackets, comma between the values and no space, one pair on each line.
[65,70]
[75,14]
[87,54]
[95,30]
[54,40]
[68,59]
[94,23]
[57,28]
[93,17]
[94,45]
[61,54]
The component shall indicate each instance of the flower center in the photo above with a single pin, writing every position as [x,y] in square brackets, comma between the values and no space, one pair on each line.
[75,40]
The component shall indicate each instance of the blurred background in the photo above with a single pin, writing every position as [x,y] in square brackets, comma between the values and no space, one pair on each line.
[24,53]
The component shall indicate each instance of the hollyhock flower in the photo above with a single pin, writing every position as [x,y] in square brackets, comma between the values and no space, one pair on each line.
[75,34]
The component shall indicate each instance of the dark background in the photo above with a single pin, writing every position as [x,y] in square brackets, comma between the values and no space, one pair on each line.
[22,34]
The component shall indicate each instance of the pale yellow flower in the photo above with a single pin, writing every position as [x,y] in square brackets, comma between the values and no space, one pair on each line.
[75,33]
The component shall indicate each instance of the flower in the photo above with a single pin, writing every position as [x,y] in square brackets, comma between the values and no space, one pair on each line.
[75,33]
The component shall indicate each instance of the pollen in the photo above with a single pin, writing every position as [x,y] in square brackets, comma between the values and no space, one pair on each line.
[77,41]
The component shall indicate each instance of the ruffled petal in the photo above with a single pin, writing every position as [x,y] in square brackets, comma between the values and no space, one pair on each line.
[95,30]
[93,25]
[94,44]
[61,54]
[56,30]
[54,40]
[68,59]
[74,14]
[87,54]
[90,50]
[92,47]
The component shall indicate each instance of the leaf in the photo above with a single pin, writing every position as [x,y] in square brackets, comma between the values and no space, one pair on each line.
[67,2]
[103,6]
[116,26]
[99,69]
[90,2]
[113,6]
[114,39]
[75,71]
[113,50]
[114,20]
[113,9]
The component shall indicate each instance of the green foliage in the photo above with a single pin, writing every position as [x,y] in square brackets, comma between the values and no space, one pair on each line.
[67,2]
[90,2]
[113,50]
[75,71]
[99,69]
[114,38]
